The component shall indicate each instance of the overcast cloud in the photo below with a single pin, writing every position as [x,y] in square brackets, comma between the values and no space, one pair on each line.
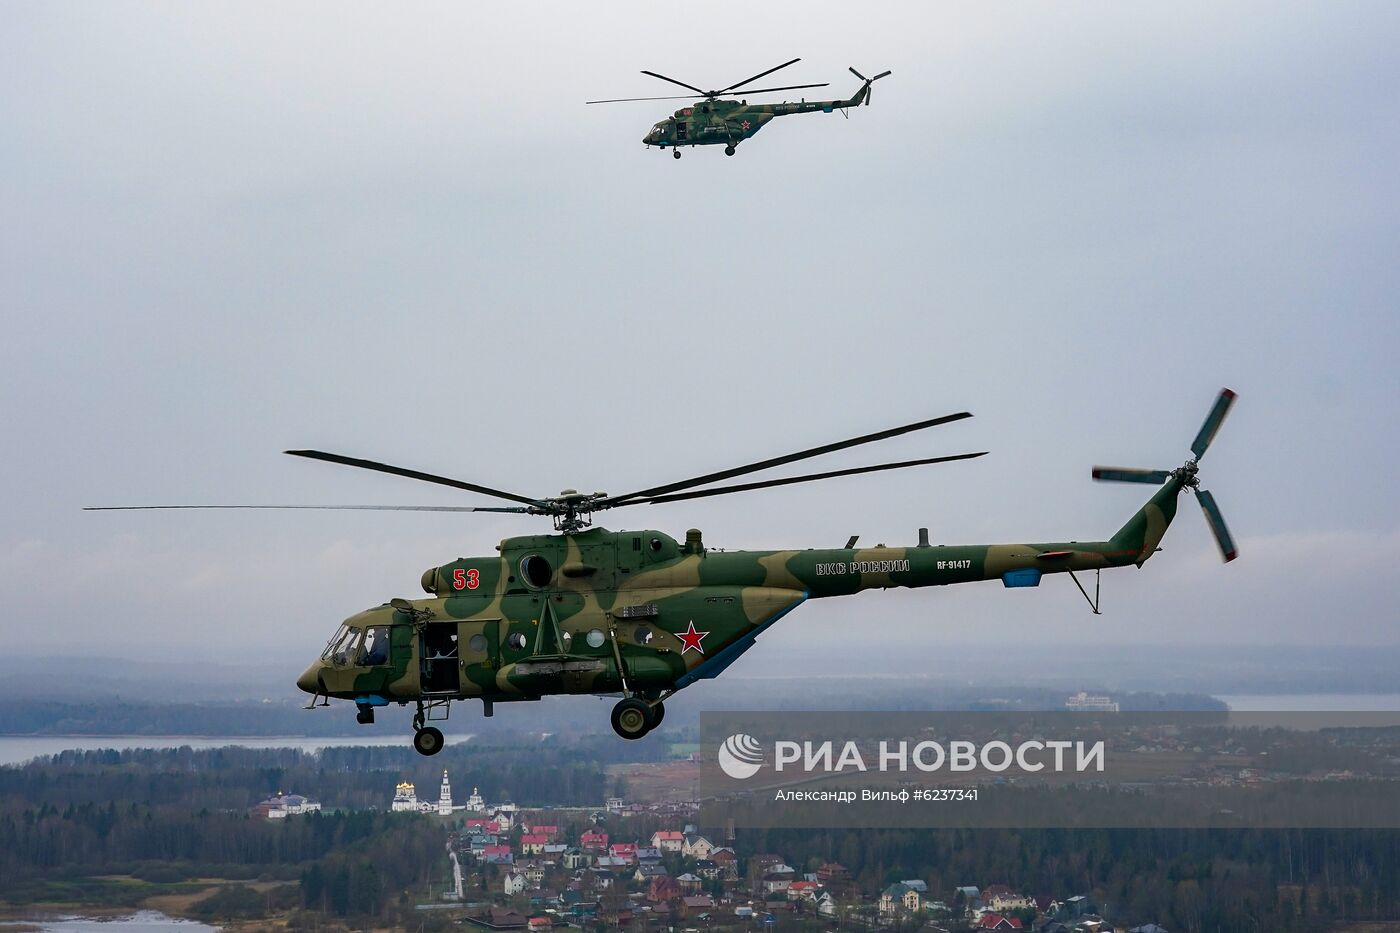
[398,233]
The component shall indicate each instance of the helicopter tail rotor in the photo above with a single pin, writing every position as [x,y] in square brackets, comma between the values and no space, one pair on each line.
[1186,477]
[863,95]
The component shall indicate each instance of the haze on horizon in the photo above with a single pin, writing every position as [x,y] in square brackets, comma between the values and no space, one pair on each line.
[401,235]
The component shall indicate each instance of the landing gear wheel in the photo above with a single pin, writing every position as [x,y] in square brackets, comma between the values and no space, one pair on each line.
[428,741]
[728,150]
[654,716]
[365,716]
[675,153]
[630,719]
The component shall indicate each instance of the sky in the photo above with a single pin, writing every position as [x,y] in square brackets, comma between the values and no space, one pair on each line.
[399,233]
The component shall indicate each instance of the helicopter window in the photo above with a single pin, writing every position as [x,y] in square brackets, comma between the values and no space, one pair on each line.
[655,544]
[336,642]
[636,544]
[595,638]
[642,635]
[536,570]
[680,129]
[477,643]
[516,640]
[374,651]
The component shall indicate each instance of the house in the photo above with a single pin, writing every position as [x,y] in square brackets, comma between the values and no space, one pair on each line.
[727,861]
[545,830]
[539,924]
[513,883]
[914,884]
[533,872]
[575,858]
[971,895]
[1047,905]
[501,918]
[707,868]
[995,921]
[1000,898]
[833,873]
[826,905]
[663,888]
[645,873]
[533,844]
[667,840]
[696,904]
[554,852]
[898,896]
[1149,928]
[626,851]
[802,891]
[697,846]
[593,840]
[498,855]
[777,882]
[648,854]
[690,884]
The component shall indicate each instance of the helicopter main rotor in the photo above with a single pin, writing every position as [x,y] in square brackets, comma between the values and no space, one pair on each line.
[733,89]
[572,511]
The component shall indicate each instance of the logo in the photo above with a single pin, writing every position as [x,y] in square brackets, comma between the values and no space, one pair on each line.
[740,756]
[692,639]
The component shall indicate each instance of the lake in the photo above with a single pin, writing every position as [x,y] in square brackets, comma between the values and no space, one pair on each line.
[1313,702]
[146,921]
[15,749]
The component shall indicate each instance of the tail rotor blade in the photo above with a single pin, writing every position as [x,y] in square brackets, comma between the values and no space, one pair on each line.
[857,74]
[1228,552]
[1131,475]
[882,75]
[1214,420]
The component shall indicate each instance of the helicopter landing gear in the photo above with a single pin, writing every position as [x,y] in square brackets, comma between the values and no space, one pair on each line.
[654,716]
[365,716]
[675,153]
[729,150]
[631,718]
[428,741]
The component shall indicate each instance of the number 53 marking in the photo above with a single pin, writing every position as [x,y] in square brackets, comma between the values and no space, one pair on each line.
[466,578]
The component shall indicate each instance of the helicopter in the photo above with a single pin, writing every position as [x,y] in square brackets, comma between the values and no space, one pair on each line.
[715,121]
[642,615]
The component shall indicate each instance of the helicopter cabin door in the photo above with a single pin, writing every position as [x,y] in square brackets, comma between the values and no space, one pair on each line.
[439,655]
[481,653]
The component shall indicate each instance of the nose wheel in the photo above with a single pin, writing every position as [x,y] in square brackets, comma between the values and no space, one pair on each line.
[428,740]
[728,150]
[675,153]
[633,718]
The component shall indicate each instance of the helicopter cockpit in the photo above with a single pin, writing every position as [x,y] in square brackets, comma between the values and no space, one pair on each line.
[657,134]
[358,647]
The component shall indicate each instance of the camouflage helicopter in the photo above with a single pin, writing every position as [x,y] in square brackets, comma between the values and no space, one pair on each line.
[642,615]
[715,121]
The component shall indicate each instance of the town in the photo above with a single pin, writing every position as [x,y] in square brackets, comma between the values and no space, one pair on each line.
[633,865]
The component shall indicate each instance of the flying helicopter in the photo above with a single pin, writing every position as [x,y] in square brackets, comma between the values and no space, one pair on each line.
[716,121]
[642,615]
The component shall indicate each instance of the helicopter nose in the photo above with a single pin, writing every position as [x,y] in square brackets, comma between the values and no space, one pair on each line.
[310,679]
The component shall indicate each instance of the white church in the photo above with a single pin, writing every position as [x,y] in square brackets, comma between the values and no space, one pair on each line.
[406,800]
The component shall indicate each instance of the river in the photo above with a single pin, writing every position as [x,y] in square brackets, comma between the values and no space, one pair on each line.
[15,749]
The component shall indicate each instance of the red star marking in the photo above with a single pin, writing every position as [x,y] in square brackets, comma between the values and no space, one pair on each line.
[744,125]
[691,639]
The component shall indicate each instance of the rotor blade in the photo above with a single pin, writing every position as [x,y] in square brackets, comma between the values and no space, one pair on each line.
[769,90]
[1131,475]
[623,100]
[411,474]
[761,74]
[788,481]
[612,501]
[1214,420]
[857,73]
[883,74]
[674,81]
[362,508]
[1216,521]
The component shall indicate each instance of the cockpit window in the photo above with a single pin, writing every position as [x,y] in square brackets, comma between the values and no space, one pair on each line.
[374,651]
[337,642]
